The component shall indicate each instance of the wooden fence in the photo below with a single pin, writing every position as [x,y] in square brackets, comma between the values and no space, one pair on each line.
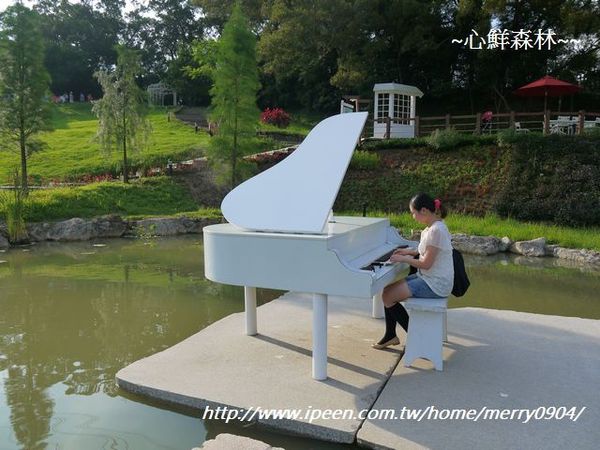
[545,122]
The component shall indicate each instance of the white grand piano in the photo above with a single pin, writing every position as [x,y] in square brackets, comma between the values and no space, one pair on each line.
[282,233]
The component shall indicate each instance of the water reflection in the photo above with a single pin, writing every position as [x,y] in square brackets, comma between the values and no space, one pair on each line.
[536,285]
[73,315]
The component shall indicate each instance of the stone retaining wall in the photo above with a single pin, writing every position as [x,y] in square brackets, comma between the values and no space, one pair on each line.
[77,229]
[110,226]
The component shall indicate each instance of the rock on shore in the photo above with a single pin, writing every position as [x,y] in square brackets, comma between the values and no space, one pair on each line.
[489,245]
[476,245]
[77,229]
[231,441]
[111,226]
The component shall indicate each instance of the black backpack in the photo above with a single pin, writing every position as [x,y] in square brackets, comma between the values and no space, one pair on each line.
[461,280]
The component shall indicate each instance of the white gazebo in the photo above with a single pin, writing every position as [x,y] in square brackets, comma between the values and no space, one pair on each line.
[399,103]
[157,93]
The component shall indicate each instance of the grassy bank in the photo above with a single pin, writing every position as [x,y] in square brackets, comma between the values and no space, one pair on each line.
[71,151]
[164,196]
[492,225]
[151,196]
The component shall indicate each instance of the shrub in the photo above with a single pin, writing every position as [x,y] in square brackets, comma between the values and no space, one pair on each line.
[384,144]
[553,178]
[275,116]
[14,204]
[362,160]
[449,139]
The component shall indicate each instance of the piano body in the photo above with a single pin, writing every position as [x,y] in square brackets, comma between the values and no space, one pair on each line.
[282,234]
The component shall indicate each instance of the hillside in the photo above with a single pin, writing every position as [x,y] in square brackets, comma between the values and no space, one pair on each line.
[70,151]
[554,179]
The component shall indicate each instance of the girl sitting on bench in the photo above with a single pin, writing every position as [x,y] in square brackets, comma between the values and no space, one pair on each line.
[435,271]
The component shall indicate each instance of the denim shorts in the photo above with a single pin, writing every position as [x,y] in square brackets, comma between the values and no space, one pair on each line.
[419,288]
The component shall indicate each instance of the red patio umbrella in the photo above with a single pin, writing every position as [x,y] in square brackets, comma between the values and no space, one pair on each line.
[547,87]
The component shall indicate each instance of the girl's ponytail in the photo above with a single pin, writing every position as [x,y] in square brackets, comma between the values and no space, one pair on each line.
[425,201]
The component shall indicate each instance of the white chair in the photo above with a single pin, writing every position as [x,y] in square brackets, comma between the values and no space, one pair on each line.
[426,330]
[520,129]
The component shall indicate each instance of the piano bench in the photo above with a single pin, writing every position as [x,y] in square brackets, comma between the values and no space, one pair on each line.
[426,330]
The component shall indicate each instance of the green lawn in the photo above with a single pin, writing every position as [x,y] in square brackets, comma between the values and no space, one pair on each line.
[147,197]
[72,151]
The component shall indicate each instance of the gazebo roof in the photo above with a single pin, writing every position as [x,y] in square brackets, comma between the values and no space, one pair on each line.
[398,88]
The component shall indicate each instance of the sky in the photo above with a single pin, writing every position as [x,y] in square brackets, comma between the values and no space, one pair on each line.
[5,3]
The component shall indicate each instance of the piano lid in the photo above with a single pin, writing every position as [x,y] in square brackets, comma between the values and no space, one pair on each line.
[296,195]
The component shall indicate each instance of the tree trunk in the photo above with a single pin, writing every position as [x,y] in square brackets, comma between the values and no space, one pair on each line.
[125,171]
[24,185]
[235,136]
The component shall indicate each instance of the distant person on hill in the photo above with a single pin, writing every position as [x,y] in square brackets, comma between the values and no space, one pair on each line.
[486,120]
[435,270]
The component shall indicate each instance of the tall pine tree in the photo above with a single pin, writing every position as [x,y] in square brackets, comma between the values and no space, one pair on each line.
[23,83]
[233,94]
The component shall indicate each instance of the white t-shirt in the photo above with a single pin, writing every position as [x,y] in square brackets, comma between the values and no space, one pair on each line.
[440,276]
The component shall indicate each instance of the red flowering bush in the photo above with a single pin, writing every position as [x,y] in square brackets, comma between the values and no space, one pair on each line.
[275,116]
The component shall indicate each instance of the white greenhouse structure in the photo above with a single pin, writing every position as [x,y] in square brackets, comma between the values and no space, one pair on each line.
[399,103]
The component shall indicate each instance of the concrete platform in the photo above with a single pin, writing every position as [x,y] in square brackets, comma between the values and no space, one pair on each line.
[494,359]
[221,366]
[499,360]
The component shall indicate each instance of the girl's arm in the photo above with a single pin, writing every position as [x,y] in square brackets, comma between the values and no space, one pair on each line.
[406,251]
[425,262]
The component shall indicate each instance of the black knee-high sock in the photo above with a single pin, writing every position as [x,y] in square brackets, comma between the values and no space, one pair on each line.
[390,327]
[399,314]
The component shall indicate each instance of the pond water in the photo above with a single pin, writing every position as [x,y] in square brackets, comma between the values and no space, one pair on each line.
[75,314]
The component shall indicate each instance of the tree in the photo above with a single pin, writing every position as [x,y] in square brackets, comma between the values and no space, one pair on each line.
[80,38]
[164,31]
[234,95]
[23,82]
[121,111]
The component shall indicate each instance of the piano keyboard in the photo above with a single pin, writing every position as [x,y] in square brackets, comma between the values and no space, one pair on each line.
[380,261]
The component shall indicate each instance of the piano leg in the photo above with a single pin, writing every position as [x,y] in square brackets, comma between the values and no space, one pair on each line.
[377,310]
[250,308]
[319,357]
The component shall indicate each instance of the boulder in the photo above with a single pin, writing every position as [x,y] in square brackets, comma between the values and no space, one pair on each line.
[77,229]
[158,227]
[170,226]
[108,226]
[3,242]
[233,442]
[4,236]
[535,247]
[505,244]
[589,257]
[476,245]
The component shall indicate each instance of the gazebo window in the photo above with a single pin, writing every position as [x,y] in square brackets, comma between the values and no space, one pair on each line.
[402,108]
[383,106]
